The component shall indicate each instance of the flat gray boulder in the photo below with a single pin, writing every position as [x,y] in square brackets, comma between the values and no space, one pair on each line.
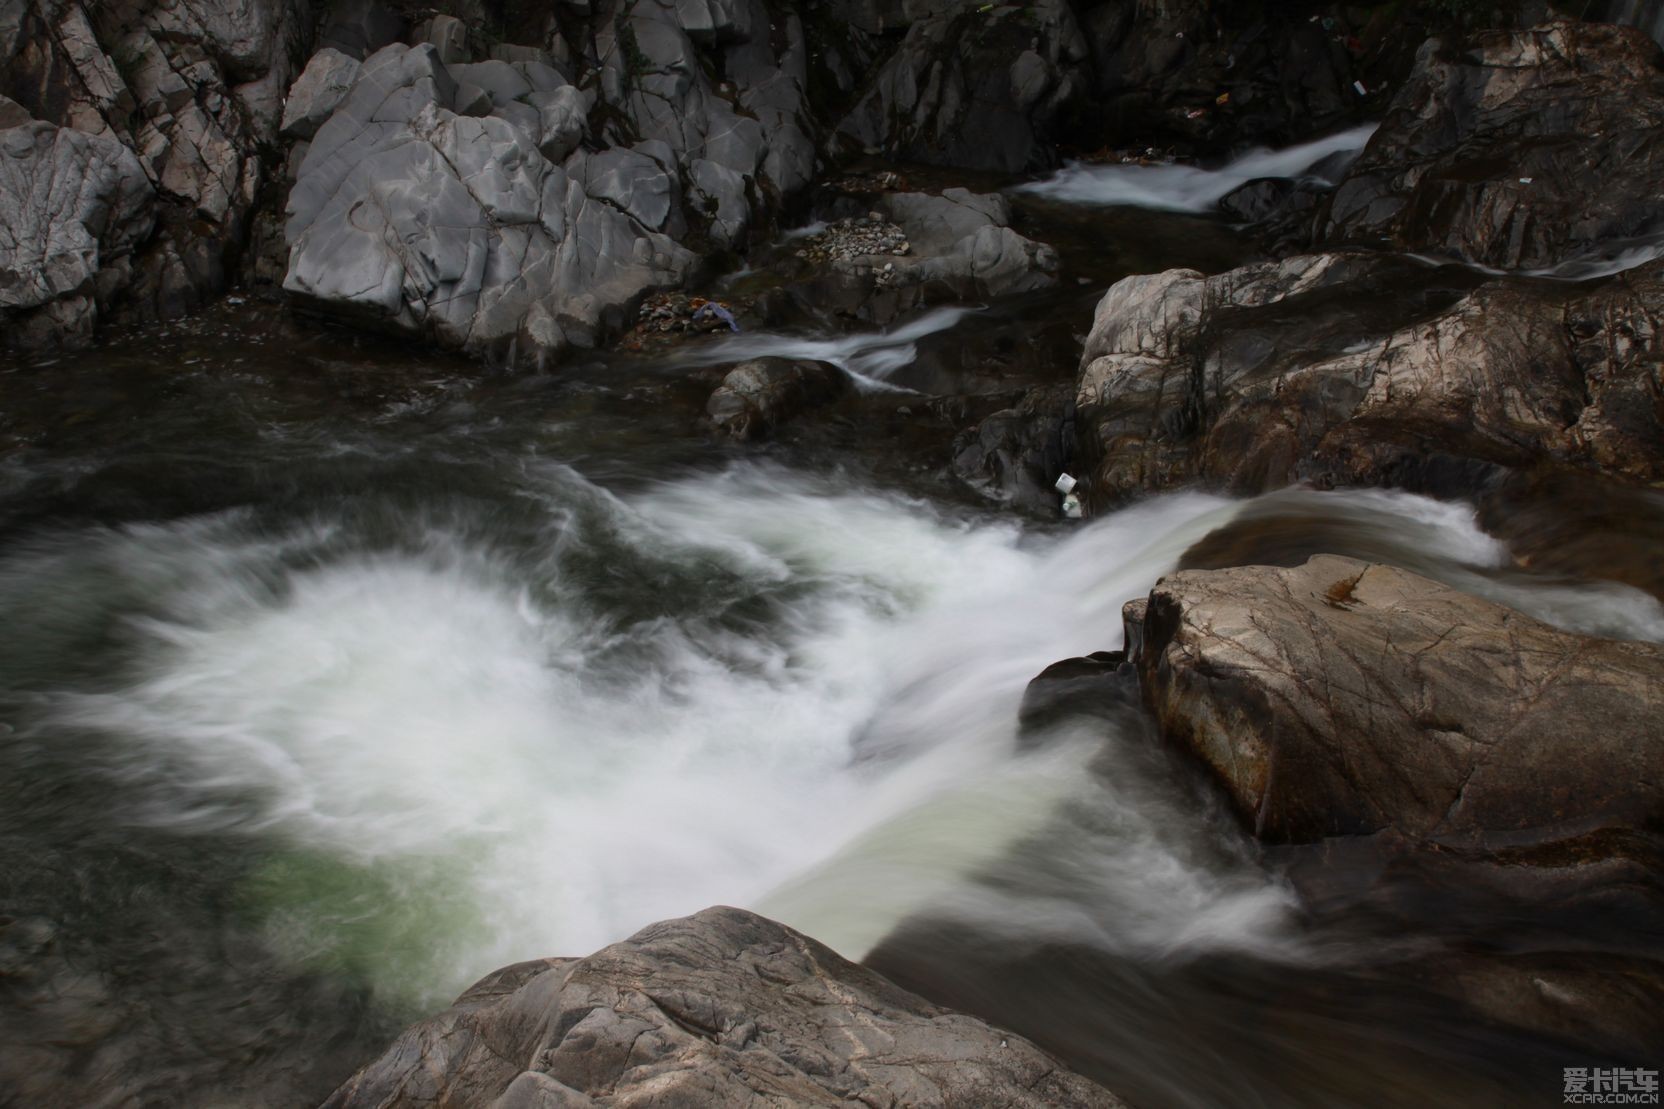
[720,1008]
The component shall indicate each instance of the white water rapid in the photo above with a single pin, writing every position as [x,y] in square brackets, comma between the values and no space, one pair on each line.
[755,688]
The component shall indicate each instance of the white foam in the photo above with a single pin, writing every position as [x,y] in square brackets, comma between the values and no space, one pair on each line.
[755,688]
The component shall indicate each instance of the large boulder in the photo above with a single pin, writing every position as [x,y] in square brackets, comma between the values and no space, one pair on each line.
[194,91]
[721,1008]
[1344,698]
[1514,149]
[1354,369]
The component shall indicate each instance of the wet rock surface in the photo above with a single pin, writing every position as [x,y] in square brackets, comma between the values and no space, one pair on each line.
[723,1007]
[1014,455]
[1350,369]
[1514,149]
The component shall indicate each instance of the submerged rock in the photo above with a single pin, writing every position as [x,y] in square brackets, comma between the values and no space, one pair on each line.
[720,1008]
[758,396]
[1515,149]
[1354,369]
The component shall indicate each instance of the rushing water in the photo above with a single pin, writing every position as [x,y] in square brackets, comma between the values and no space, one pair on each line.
[1182,188]
[337,675]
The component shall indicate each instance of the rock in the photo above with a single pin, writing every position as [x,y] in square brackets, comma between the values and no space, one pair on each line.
[1354,369]
[449,36]
[1415,755]
[562,117]
[1514,149]
[973,85]
[73,207]
[499,208]
[914,249]
[1015,455]
[1343,698]
[721,1008]
[193,89]
[408,215]
[757,397]
[315,94]
[1101,686]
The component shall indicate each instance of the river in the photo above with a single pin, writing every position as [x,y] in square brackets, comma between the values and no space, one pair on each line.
[338,673]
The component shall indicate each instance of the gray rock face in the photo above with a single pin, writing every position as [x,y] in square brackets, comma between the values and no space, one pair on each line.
[721,1008]
[1351,369]
[473,203]
[1517,149]
[971,85]
[407,214]
[1345,698]
[192,90]
[72,208]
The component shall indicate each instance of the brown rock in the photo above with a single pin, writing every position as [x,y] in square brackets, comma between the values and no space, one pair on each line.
[1352,369]
[1342,698]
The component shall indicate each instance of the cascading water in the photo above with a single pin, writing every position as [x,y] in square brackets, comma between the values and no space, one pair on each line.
[1181,188]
